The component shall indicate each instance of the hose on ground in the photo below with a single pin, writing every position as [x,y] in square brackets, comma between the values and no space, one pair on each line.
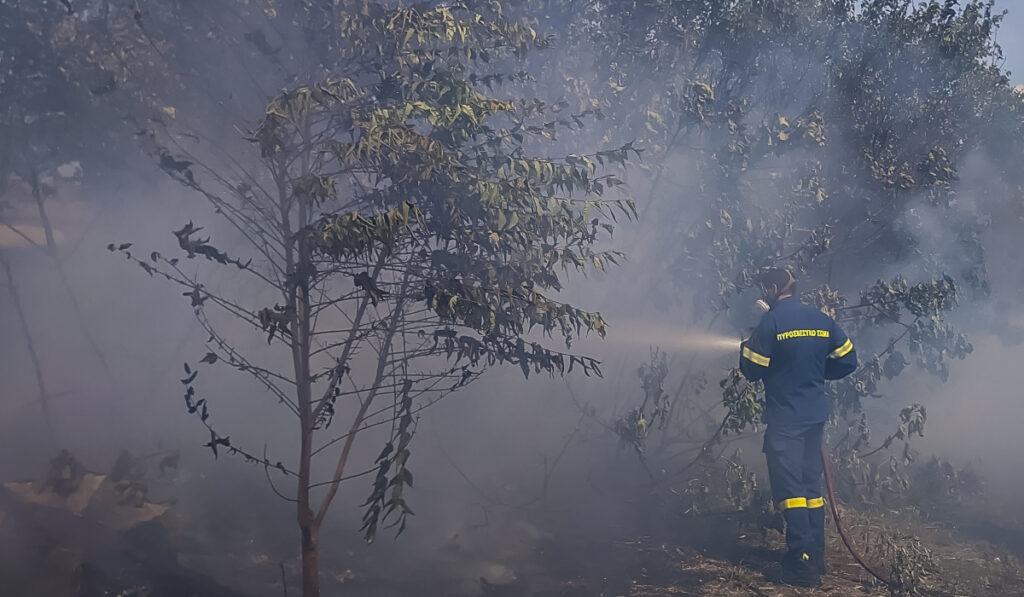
[839,522]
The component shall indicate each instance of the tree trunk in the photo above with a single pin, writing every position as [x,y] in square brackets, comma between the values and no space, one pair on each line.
[308,525]
[310,560]
[51,250]
[299,266]
[16,299]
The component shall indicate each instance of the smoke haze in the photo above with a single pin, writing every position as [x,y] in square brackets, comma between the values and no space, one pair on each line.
[504,465]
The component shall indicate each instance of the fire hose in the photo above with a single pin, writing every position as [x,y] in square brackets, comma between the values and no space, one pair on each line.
[839,522]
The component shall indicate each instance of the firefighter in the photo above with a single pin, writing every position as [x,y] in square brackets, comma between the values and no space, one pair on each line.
[794,349]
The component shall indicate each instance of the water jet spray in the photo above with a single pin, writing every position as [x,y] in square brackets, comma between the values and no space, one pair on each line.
[675,339]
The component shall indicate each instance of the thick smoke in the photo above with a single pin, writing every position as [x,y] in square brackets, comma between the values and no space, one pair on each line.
[495,464]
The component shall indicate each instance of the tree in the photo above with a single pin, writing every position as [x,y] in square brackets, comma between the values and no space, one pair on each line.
[828,137]
[410,239]
[48,118]
[909,119]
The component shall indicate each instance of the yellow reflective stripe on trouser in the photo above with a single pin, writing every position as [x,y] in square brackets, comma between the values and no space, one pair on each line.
[842,351]
[793,502]
[755,358]
[816,502]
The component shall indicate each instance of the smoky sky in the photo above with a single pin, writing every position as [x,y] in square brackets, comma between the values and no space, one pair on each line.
[1011,38]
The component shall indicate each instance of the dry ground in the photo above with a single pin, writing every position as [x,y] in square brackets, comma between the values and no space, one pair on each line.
[956,566]
[58,552]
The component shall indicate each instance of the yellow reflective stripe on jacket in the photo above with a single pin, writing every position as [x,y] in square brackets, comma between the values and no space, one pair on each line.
[843,350]
[816,502]
[792,503]
[802,334]
[753,357]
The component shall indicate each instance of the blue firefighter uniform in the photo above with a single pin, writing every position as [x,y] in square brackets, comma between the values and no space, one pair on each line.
[794,349]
